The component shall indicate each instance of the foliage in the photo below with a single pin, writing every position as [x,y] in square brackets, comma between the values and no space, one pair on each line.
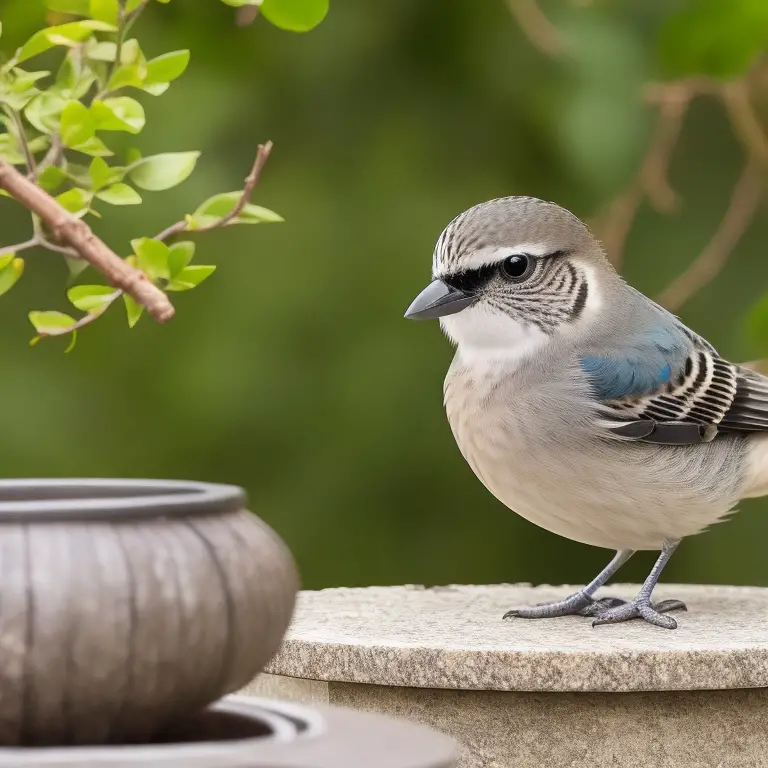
[57,124]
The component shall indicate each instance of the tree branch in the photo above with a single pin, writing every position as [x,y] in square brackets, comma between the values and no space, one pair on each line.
[77,234]
[745,123]
[51,157]
[742,207]
[539,30]
[251,180]
[651,180]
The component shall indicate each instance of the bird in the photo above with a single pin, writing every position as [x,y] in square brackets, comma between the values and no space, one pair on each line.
[581,404]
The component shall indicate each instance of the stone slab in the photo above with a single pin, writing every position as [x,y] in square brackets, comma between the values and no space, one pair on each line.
[505,729]
[453,638]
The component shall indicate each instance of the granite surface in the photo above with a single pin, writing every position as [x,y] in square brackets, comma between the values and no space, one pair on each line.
[505,729]
[454,638]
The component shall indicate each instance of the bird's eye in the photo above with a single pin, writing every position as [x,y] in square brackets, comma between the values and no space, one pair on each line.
[517,267]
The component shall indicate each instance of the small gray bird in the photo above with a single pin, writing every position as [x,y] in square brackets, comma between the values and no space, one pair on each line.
[580,403]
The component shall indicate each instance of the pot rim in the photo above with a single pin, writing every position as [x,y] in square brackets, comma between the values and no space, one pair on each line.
[88,499]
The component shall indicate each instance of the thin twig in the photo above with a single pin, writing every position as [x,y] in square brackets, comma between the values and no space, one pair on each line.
[48,245]
[121,18]
[539,30]
[77,234]
[251,180]
[652,179]
[744,201]
[51,157]
[246,15]
[744,120]
[28,156]
[33,242]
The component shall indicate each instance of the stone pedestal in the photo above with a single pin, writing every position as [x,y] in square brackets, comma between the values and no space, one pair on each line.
[554,692]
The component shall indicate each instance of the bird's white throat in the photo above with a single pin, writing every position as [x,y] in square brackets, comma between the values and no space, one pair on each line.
[482,333]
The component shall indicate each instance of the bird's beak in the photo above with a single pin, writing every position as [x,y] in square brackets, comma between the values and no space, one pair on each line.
[437,300]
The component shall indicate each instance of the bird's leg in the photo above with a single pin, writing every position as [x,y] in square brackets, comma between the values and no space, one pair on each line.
[581,602]
[641,607]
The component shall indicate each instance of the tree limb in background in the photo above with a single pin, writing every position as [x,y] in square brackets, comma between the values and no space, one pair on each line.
[744,120]
[539,30]
[78,236]
[741,209]
[652,179]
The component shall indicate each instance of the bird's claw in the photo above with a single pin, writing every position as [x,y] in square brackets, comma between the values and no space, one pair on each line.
[642,608]
[606,610]
[578,604]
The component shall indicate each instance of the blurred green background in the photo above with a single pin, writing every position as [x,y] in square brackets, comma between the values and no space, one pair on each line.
[291,371]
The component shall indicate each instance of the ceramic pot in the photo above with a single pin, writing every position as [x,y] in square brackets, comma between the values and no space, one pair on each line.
[127,606]
[245,732]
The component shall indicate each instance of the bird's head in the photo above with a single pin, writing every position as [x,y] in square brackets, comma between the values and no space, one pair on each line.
[512,273]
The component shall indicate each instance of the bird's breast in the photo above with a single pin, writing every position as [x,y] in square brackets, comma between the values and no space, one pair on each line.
[539,451]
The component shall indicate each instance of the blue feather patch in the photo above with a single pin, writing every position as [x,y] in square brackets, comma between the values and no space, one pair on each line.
[643,366]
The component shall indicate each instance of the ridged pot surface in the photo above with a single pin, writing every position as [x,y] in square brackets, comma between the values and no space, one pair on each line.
[246,732]
[127,605]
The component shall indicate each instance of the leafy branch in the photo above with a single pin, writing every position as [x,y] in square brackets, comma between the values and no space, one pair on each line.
[55,159]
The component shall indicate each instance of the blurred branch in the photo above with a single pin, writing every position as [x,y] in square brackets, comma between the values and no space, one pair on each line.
[251,180]
[52,157]
[246,15]
[741,209]
[744,120]
[78,235]
[539,30]
[652,179]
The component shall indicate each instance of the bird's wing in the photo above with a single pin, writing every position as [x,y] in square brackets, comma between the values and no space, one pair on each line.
[674,388]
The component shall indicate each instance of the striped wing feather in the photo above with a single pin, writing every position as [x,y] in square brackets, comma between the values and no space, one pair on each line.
[707,391]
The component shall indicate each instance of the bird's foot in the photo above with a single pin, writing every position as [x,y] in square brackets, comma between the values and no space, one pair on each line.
[641,608]
[578,604]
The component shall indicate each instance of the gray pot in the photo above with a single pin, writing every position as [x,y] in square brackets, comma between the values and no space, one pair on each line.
[244,732]
[129,605]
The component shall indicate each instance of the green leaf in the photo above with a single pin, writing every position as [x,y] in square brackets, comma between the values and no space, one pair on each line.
[190,277]
[179,255]
[100,51]
[214,208]
[120,113]
[24,80]
[75,7]
[92,299]
[127,75]
[714,38]
[152,257]
[64,34]
[6,259]
[44,111]
[133,310]
[156,89]
[94,147]
[76,201]
[167,67]
[293,15]
[241,3]
[75,266]
[51,178]
[67,76]
[103,10]
[99,172]
[51,323]
[119,194]
[131,54]
[77,124]
[159,172]
[10,272]
[10,150]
